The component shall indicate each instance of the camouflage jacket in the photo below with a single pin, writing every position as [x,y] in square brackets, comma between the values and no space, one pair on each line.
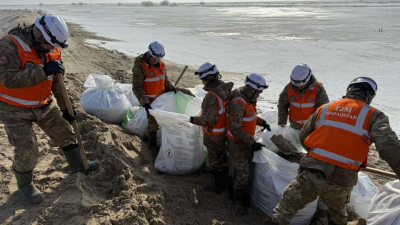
[284,104]
[210,106]
[385,139]
[139,75]
[12,75]
[236,112]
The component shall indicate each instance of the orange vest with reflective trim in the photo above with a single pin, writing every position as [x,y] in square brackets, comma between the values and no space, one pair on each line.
[341,135]
[36,95]
[154,84]
[301,109]
[249,121]
[219,128]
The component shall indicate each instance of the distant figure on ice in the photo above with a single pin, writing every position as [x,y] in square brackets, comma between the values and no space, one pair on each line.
[338,136]
[300,98]
[242,121]
[29,57]
[213,120]
[150,81]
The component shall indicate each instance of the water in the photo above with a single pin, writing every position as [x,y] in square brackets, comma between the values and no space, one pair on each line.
[339,41]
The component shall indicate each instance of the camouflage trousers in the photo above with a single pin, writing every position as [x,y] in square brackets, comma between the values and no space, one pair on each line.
[304,189]
[216,148]
[152,126]
[18,126]
[239,156]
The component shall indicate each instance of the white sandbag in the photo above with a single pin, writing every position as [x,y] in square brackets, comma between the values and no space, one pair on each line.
[127,90]
[361,195]
[198,91]
[271,176]
[101,99]
[385,205]
[182,150]
[287,132]
[136,121]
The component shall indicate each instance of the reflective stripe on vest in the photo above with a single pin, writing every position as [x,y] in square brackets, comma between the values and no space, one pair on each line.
[35,95]
[249,121]
[154,83]
[301,108]
[219,128]
[341,134]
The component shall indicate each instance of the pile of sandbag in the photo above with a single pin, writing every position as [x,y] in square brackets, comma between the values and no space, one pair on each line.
[182,150]
[108,101]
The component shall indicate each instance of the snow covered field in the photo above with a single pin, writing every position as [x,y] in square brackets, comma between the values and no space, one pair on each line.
[339,41]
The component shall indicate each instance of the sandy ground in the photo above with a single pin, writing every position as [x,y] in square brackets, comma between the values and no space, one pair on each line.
[126,189]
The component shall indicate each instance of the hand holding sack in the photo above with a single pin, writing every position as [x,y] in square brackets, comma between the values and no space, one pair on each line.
[266,126]
[256,146]
[147,106]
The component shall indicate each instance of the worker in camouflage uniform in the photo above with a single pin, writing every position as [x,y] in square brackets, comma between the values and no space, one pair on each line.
[300,98]
[338,136]
[150,81]
[213,120]
[29,57]
[241,125]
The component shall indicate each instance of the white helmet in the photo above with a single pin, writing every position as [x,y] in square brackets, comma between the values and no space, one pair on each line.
[301,74]
[367,80]
[206,69]
[54,30]
[156,49]
[256,81]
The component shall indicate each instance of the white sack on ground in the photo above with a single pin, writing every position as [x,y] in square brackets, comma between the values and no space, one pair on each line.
[362,194]
[385,205]
[127,90]
[136,121]
[182,150]
[102,100]
[271,176]
[287,132]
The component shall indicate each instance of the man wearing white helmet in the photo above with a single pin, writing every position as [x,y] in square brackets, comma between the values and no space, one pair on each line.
[213,120]
[300,98]
[150,81]
[241,125]
[29,57]
[338,136]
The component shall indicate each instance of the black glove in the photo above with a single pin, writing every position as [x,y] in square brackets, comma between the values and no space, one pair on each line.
[53,67]
[256,146]
[191,119]
[68,117]
[147,106]
[266,126]
[174,90]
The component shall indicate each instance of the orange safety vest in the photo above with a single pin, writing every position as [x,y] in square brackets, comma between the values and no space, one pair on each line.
[249,122]
[219,128]
[154,84]
[301,109]
[36,95]
[341,134]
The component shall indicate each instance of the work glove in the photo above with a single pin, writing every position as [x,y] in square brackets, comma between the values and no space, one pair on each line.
[174,90]
[68,117]
[266,126]
[53,67]
[191,119]
[147,106]
[256,146]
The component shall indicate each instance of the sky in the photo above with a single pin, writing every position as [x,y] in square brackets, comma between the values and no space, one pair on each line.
[30,2]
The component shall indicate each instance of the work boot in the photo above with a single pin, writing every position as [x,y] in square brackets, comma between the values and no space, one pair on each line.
[220,180]
[152,136]
[26,187]
[75,162]
[237,201]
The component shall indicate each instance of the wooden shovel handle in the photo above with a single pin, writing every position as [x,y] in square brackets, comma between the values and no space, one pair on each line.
[380,172]
[184,70]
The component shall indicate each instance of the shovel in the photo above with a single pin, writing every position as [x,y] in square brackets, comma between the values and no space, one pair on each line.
[59,77]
